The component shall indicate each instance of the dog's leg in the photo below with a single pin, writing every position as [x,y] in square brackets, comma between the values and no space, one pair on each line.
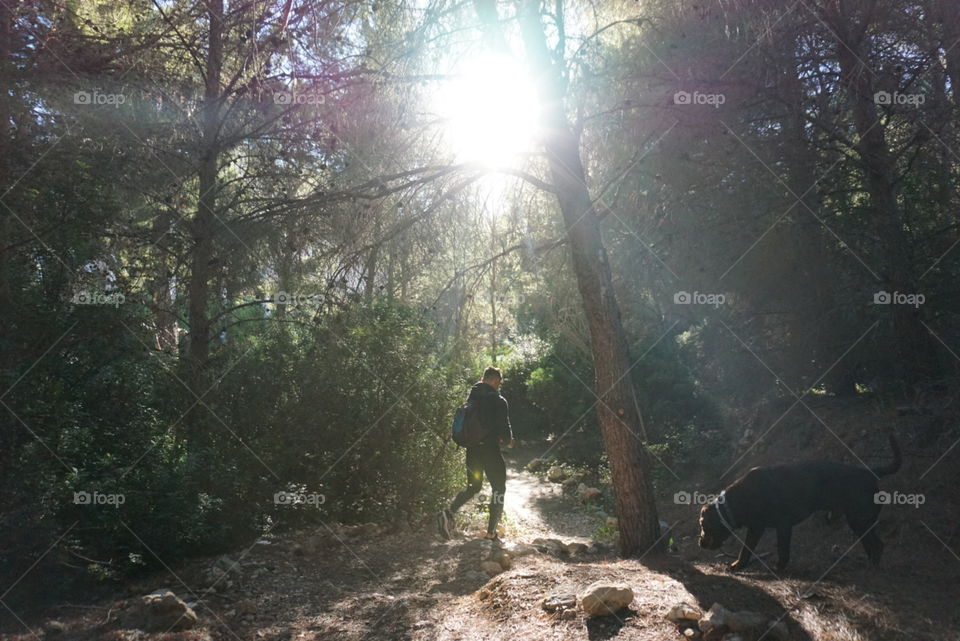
[871,542]
[874,546]
[863,525]
[783,545]
[749,544]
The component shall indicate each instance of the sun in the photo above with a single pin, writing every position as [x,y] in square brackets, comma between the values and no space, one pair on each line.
[490,111]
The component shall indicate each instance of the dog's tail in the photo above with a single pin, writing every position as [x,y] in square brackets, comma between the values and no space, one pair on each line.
[885,470]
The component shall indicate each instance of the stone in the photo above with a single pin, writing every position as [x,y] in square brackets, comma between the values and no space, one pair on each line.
[559,602]
[160,611]
[478,546]
[522,549]
[575,549]
[568,615]
[692,634]
[537,465]
[605,597]
[684,612]
[748,624]
[491,568]
[503,559]
[714,623]
[556,474]
[550,546]
[598,547]
[54,627]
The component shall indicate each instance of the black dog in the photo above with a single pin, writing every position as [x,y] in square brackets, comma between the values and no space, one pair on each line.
[780,496]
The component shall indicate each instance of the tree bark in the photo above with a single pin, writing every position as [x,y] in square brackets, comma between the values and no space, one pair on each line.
[918,355]
[949,19]
[6,147]
[203,222]
[810,253]
[618,416]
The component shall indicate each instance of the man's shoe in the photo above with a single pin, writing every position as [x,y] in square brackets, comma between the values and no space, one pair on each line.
[443,523]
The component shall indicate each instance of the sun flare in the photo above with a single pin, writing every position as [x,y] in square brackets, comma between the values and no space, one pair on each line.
[490,110]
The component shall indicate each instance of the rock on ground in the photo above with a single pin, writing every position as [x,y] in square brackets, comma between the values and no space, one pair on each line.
[715,623]
[603,597]
[522,549]
[556,474]
[503,559]
[684,612]
[559,602]
[575,549]
[749,625]
[550,546]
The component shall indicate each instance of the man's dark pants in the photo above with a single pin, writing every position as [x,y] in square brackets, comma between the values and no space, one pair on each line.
[485,459]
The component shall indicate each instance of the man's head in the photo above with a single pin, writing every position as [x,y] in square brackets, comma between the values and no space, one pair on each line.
[492,377]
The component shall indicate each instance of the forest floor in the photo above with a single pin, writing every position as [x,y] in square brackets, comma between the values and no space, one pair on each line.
[365,584]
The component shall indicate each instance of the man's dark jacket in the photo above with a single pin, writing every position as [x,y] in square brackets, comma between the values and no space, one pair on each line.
[494,412]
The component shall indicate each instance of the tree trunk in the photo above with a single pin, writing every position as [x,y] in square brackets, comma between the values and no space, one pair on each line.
[203,222]
[815,286]
[10,433]
[167,332]
[7,70]
[949,19]
[918,355]
[618,418]
[493,291]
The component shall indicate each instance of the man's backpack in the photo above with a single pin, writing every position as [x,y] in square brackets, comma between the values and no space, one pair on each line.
[468,429]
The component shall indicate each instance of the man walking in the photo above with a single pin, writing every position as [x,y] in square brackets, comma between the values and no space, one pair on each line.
[485,457]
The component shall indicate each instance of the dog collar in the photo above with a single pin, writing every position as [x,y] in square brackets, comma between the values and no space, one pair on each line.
[719,502]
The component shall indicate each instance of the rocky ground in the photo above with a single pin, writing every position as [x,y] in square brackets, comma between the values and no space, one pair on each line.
[554,577]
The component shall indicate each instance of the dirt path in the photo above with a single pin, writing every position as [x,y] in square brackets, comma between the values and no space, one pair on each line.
[354,585]
[536,508]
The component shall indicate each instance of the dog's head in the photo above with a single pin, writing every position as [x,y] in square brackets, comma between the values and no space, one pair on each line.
[713,531]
